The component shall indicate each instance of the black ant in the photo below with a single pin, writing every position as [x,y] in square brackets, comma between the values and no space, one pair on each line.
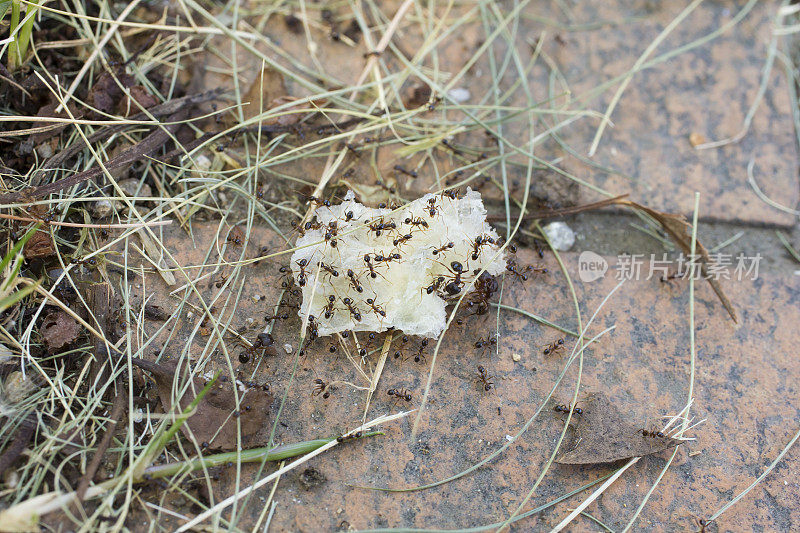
[328,309]
[348,216]
[329,269]
[312,225]
[330,234]
[387,258]
[521,274]
[320,387]
[318,201]
[443,248]
[91,262]
[485,287]
[301,277]
[402,239]
[420,355]
[379,226]
[645,433]
[399,352]
[104,233]
[563,408]
[554,346]
[454,287]
[432,209]
[482,344]
[435,285]
[370,266]
[434,102]
[416,222]
[450,193]
[235,236]
[378,309]
[400,394]
[353,310]
[484,379]
[409,173]
[354,280]
[284,316]
[364,349]
[480,241]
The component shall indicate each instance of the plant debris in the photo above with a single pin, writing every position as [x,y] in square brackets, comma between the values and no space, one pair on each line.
[602,435]
[58,330]
[214,423]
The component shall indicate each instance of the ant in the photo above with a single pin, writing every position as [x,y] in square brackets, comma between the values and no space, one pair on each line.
[416,222]
[554,346]
[450,193]
[235,236]
[378,309]
[363,351]
[284,316]
[420,355]
[379,226]
[485,287]
[402,240]
[329,269]
[432,209]
[348,216]
[301,277]
[441,249]
[328,309]
[521,274]
[434,102]
[354,280]
[409,173]
[331,233]
[399,352]
[482,344]
[454,287]
[318,201]
[563,408]
[312,224]
[480,241]
[353,310]
[320,387]
[645,433]
[703,523]
[435,285]
[370,266]
[91,262]
[387,258]
[104,233]
[400,394]
[484,379]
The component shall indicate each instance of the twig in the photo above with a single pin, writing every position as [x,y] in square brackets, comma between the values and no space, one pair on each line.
[120,400]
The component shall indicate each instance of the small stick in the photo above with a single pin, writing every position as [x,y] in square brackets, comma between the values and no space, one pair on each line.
[120,400]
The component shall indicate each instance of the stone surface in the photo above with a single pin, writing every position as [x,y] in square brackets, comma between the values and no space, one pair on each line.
[745,385]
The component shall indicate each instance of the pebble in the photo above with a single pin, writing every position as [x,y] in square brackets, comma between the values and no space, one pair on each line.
[459,94]
[560,235]
[287,348]
[516,357]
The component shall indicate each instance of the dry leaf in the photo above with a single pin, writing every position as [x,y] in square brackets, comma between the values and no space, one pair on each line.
[58,330]
[603,436]
[214,420]
[265,89]
[39,245]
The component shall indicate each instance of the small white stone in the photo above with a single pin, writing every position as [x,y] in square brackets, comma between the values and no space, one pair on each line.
[102,208]
[516,357]
[509,438]
[561,236]
[202,162]
[287,348]
[459,94]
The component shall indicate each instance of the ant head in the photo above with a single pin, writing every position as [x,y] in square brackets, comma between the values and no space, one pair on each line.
[302,262]
[560,341]
[370,301]
[331,298]
[347,301]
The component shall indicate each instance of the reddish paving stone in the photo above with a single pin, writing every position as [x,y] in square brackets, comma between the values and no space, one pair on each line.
[746,385]
[707,91]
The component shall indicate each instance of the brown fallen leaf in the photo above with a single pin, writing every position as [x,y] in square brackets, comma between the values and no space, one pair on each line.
[214,420]
[266,87]
[58,329]
[602,435]
[39,245]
